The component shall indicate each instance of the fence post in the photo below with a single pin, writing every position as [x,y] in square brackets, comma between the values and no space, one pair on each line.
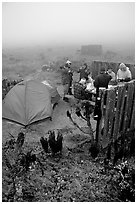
[98,119]
[97,112]
[99,123]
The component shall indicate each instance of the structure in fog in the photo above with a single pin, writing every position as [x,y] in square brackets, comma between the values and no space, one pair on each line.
[91,50]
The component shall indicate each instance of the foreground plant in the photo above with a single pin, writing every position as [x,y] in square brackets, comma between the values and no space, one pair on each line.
[124,180]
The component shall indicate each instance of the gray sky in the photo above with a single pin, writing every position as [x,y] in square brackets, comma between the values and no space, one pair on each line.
[68,23]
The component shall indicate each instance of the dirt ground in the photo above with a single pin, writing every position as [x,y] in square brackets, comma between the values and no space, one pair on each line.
[72,177]
[59,117]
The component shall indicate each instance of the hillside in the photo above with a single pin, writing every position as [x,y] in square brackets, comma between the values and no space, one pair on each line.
[73,176]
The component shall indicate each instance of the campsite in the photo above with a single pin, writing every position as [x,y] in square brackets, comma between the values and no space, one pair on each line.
[74,176]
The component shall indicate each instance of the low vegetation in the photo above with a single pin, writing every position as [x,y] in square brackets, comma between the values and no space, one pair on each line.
[32,175]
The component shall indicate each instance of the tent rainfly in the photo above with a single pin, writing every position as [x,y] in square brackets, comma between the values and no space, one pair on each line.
[55,97]
[27,102]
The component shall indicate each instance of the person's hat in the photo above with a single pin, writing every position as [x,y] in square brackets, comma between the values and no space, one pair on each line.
[122,65]
[85,64]
[68,62]
[109,68]
[102,69]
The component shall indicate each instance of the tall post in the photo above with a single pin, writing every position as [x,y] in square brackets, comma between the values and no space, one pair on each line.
[97,113]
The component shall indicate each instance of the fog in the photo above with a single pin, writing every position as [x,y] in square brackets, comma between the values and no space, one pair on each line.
[62,23]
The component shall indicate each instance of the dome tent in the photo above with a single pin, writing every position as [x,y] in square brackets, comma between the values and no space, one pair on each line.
[27,102]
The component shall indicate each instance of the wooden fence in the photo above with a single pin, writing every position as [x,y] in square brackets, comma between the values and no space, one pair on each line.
[118,115]
[96,65]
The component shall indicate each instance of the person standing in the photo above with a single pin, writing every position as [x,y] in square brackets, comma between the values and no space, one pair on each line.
[113,75]
[102,80]
[70,74]
[123,74]
[67,76]
[84,71]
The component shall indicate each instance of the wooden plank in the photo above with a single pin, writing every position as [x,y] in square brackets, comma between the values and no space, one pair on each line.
[112,112]
[117,113]
[108,119]
[132,123]
[132,69]
[131,99]
[101,124]
[130,95]
[111,121]
[105,140]
[99,98]
[121,114]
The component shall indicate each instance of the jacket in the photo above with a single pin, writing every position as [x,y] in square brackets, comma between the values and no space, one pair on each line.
[66,76]
[83,73]
[102,80]
[124,74]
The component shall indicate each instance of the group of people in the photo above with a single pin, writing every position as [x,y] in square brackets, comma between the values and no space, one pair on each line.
[102,80]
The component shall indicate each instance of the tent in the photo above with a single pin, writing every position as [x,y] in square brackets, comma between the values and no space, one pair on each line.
[27,102]
[55,97]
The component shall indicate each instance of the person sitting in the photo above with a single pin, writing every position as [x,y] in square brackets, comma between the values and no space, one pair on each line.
[79,89]
[90,91]
[90,83]
[84,71]
[90,79]
[101,81]
[123,74]
[111,73]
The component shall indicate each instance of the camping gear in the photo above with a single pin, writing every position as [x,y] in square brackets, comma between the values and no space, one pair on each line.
[27,102]
[55,97]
